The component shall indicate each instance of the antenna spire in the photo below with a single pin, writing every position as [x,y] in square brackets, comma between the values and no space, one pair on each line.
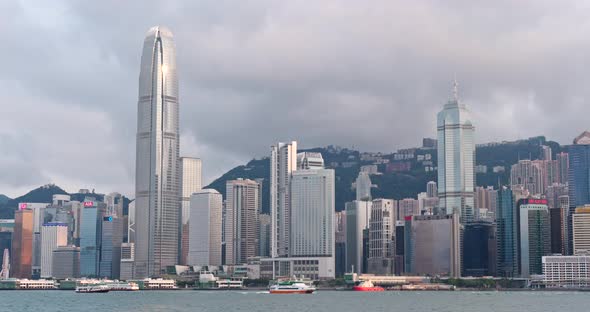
[455,89]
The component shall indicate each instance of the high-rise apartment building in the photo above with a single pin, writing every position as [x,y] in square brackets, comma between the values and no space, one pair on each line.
[241,224]
[205,228]
[191,171]
[382,237]
[534,235]
[456,159]
[312,213]
[528,174]
[407,207]
[563,165]
[22,244]
[157,158]
[283,161]
[53,235]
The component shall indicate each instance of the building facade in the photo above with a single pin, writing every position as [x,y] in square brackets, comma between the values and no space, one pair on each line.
[456,159]
[358,215]
[205,228]
[157,158]
[581,230]
[90,238]
[566,271]
[66,262]
[507,234]
[110,247]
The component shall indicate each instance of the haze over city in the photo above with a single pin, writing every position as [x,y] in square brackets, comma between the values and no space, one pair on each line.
[369,75]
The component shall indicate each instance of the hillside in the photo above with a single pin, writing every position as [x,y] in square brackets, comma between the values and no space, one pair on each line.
[3,199]
[402,175]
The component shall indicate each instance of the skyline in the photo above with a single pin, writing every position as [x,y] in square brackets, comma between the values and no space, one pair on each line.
[99,54]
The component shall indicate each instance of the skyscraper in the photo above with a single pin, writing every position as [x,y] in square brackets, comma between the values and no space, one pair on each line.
[241,224]
[190,169]
[110,247]
[506,237]
[358,214]
[22,244]
[157,163]
[581,230]
[205,228]
[456,159]
[283,161]
[90,238]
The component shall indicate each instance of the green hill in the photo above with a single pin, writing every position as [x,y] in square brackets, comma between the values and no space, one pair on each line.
[3,199]
[392,182]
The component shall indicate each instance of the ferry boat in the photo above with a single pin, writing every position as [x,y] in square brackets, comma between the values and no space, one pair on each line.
[122,286]
[367,286]
[291,287]
[92,289]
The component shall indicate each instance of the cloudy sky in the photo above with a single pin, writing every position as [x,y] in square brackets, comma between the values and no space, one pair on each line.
[368,74]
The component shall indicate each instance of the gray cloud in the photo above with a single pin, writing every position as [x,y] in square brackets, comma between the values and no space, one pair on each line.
[371,74]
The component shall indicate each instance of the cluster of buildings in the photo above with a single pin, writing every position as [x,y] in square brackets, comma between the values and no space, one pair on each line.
[539,224]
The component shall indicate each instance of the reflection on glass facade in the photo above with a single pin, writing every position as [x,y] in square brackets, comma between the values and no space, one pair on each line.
[157,165]
[507,253]
[456,159]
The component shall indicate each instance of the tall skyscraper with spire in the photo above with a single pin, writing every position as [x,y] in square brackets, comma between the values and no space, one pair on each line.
[456,159]
[157,178]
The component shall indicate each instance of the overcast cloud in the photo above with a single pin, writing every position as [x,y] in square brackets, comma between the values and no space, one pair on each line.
[368,74]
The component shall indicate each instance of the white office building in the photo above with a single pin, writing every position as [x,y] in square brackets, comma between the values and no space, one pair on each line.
[363,186]
[205,228]
[581,230]
[53,235]
[382,237]
[312,213]
[566,271]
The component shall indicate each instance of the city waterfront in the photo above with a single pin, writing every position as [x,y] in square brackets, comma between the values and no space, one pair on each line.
[341,301]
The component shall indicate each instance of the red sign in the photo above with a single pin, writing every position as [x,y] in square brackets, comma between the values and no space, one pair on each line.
[533,201]
[408,218]
[88,204]
[22,206]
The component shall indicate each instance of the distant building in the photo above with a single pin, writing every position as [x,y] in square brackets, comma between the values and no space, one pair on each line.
[309,160]
[205,228]
[363,186]
[433,245]
[481,169]
[191,171]
[563,167]
[559,217]
[407,207]
[429,143]
[507,234]
[264,240]
[53,235]
[534,235]
[456,159]
[546,152]
[241,226]
[357,221]
[528,174]
[566,271]
[399,248]
[66,262]
[22,244]
[581,230]
[431,189]
[382,237]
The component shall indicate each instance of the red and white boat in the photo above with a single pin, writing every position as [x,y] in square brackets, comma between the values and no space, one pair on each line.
[367,286]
